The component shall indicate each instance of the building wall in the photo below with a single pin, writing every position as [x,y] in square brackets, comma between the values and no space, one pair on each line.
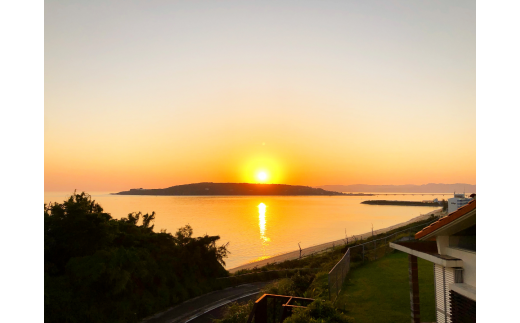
[455,202]
[443,242]
[469,264]
[469,259]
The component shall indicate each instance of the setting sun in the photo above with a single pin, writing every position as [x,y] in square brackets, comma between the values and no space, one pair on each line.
[262,169]
[262,176]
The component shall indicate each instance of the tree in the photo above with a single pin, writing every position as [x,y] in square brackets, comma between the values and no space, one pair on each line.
[444,204]
[100,269]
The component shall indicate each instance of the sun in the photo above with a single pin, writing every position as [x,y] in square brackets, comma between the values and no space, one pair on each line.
[262,176]
[262,170]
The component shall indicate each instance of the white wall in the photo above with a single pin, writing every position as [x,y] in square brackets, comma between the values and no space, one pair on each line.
[443,242]
[469,263]
[469,259]
[454,204]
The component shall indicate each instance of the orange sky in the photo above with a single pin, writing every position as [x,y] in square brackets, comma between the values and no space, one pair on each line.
[159,94]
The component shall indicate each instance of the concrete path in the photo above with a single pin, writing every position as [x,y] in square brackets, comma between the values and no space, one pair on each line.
[202,308]
[321,247]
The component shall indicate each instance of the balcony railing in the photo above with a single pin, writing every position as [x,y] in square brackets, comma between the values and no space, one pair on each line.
[272,308]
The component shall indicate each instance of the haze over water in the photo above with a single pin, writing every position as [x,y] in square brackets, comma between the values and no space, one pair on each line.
[259,227]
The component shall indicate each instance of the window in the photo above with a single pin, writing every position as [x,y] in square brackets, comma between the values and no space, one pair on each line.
[465,239]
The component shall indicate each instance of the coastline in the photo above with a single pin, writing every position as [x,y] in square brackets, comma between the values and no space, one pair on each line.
[296,254]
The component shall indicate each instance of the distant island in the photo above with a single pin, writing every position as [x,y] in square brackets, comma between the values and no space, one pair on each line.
[426,188]
[403,203]
[235,189]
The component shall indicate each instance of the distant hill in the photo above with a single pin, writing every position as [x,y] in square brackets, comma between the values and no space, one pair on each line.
[426,188]
[232,189]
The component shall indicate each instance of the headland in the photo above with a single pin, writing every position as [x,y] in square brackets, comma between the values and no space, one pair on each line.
[209,188]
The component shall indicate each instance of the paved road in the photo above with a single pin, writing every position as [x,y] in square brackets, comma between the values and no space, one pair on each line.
[203,308]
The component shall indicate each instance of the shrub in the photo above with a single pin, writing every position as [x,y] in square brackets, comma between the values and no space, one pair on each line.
[294,286]
[318,312]
[100,269]
[236,313]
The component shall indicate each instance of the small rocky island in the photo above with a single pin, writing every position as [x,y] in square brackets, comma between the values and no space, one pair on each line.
[234,189]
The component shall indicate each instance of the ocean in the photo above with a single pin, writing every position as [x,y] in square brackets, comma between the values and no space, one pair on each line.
[259,227]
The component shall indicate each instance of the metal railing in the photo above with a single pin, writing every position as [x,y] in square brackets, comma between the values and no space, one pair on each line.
[272,308]
[367,251]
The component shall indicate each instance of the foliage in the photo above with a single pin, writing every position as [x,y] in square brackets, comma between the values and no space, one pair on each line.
[100,269]
[444,204]
[319,287]
[236,313]
[318,311]
[295,286]
[262,276]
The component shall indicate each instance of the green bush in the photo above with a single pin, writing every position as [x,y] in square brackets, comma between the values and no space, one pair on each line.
[236,313]
[319,287]
[100,269]
[294,286]
[318,312]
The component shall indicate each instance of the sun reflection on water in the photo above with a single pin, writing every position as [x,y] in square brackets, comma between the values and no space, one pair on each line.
[261,223]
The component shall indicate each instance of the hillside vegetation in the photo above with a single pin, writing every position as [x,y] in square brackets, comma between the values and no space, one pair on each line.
[232,189]
[100,269]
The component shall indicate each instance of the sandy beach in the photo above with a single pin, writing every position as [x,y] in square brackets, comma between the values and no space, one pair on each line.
[295,254]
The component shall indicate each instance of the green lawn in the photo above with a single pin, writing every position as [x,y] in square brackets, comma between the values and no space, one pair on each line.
[379,291]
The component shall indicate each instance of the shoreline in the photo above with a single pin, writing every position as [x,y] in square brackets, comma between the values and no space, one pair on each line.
[305,251]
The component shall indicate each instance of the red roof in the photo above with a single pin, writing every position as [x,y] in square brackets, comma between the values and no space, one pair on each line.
[447,219]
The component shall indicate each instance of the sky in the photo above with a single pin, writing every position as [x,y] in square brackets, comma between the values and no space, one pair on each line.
[159,93]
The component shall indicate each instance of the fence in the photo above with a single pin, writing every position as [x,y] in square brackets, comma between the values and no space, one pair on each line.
[367,251]
[338,273]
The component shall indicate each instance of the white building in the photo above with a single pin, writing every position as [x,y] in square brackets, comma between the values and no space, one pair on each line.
[450,244]
[457,201]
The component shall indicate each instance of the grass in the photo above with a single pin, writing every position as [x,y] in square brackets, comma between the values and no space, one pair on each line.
[379,291]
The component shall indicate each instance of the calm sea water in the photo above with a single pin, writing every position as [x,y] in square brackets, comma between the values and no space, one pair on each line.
[258,227]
